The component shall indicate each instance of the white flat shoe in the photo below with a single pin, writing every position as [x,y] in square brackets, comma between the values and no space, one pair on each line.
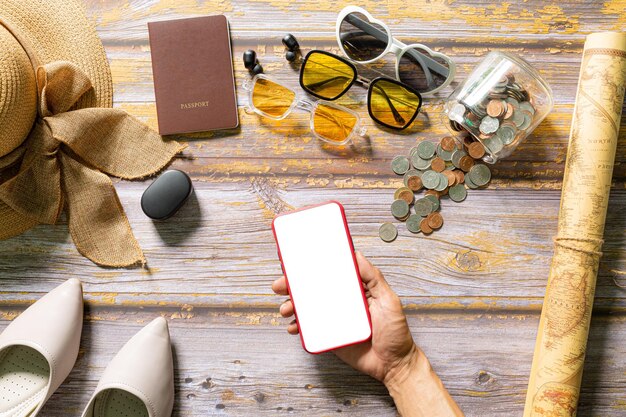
[38,350]
[139,381]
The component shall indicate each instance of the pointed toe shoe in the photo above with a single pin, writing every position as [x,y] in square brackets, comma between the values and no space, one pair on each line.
[38,350]
[139,381]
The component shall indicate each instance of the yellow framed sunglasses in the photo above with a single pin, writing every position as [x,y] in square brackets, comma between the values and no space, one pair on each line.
[390,103]
[329,122]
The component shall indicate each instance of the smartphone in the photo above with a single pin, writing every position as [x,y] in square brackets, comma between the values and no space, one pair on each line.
[317,256]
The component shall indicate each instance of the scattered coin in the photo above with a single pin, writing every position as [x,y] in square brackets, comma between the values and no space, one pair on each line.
[400,165]
[419,163]
[438,164]
[413,223]
[414,183]
[388,232]
[460,176]
[444,169]
[425,228]
[443,154]
[407,195]
[457,193]
[400,209]
[426,149]
[434,201]
[480,174]
[466,163]
[443,183]
[435,220]
[476,150]
[452,179]
[430,179]
[448,144]
[423,207]
[470,183]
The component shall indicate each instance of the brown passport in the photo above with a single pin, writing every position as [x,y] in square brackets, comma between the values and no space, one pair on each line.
[192,67]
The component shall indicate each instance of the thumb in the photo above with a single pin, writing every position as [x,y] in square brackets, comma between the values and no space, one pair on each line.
[372,277]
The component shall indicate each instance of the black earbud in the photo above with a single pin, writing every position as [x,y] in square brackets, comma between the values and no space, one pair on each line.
[251,63]
[291,43]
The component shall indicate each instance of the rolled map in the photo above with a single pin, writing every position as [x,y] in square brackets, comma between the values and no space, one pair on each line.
[556,374]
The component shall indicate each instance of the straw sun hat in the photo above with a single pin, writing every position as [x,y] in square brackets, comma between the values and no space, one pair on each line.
[58,128]
[34,33]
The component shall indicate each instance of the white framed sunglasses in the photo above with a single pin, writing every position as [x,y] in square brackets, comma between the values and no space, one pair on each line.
[329,122]
[364,39]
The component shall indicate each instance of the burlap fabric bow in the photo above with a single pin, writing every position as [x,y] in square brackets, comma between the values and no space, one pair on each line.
[64,163]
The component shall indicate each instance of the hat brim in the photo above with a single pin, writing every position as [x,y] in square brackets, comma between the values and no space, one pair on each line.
[58,30]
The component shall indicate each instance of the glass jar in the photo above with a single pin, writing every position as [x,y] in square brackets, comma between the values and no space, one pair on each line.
[501,102]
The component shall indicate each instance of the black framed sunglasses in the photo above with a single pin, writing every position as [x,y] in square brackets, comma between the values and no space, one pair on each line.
[390,103]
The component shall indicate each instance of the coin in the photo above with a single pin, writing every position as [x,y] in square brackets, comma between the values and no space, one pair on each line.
[506,133]
[388,232]
[413,151]
[400,209]
[413,223]
[396,194]
[400,165]
[425,228]
[434,201]
[423,207]
[509,111]
[457,111]
[513,102]
[430,179]
[438,164]
[470,183]
[435,220]
[518,118]
[406,194]
[457,193]
[480,174]
[411,173]
[494,144]
[448,143]
[528,118]
[443,154]
[489,125]
[460,176]
[456,157]
[476,150]
[496,108]
[525,105]
[432,193]
[466,163]
[426,149]
[419,163]
[414,183]
[451,177]
[443,183]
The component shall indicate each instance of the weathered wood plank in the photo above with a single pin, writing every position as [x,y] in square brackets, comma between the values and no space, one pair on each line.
[243,363]
[436,19]
[219,248]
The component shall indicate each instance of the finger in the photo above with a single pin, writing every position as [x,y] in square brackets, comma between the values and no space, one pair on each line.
[286,309]
[292,328]
[372,277]
[280,286]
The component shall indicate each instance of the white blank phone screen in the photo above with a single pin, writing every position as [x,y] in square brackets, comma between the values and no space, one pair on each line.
[322,277]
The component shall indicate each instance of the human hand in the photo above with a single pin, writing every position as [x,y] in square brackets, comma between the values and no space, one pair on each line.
[391,349]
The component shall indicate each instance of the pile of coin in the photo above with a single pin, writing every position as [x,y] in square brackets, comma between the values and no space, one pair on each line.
[447,168]
[503,115]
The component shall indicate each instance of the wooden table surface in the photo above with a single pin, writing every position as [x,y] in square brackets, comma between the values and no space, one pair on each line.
[472,291]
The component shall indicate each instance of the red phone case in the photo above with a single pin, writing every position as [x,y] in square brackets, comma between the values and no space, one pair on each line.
[356,267]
